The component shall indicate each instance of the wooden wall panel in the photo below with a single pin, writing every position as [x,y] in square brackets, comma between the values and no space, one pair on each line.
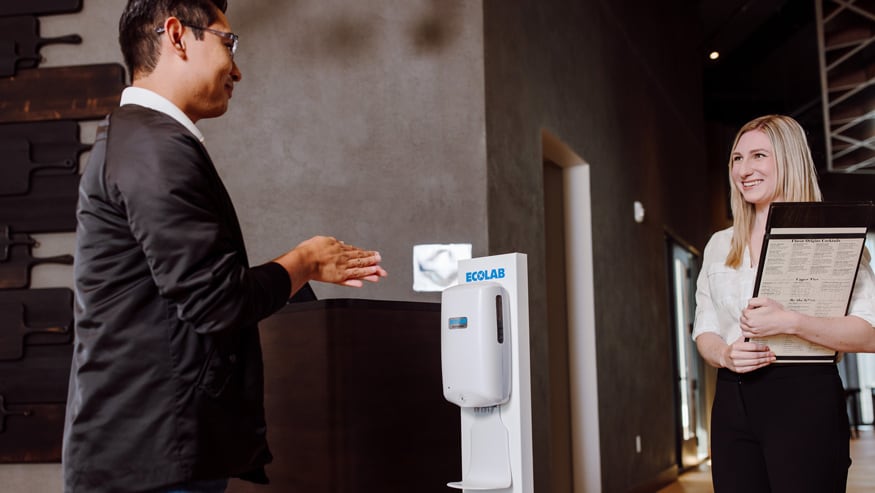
[40,426]
[33,317]
[39,179]
[24,31]
[19,7]
[49,207]
[84,92]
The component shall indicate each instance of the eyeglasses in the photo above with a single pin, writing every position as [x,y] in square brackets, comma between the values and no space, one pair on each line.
[233,38]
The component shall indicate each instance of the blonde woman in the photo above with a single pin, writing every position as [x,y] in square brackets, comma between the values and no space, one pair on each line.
[774,428]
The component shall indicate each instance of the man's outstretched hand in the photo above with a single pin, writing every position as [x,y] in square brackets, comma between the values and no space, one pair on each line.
[326,259]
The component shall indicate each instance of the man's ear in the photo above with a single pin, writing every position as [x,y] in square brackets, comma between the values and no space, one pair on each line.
[173,30]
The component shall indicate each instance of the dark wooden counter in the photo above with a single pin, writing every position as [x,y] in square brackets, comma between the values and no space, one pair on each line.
[354,401]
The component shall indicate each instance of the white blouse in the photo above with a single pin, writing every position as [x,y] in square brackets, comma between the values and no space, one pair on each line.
[723,292]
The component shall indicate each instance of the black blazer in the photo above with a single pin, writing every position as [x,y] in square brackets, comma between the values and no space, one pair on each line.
[167,379]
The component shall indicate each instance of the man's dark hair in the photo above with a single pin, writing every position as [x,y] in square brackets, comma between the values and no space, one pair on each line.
[136,28]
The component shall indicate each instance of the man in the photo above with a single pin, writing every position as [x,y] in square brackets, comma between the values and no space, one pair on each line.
[166,387]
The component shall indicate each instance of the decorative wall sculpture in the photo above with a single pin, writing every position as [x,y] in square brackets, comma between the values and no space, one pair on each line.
[40,149]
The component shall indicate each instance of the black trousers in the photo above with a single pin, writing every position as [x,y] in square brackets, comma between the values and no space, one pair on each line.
[780,429]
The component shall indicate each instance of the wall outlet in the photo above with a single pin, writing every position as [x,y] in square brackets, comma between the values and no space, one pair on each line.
[638,444]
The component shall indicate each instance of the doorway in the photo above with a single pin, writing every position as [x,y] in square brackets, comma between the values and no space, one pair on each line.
[576,461]
[690,399]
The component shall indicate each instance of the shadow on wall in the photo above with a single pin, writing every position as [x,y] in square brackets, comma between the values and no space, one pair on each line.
[348,33]
[437,27]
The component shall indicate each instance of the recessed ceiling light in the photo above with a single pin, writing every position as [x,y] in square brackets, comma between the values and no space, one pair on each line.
[714,55]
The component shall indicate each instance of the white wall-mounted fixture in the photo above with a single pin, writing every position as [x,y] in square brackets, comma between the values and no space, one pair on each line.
[475,344]
[638,212]
[492,304]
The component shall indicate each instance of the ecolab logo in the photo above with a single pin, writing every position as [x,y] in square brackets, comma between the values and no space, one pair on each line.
[484,275]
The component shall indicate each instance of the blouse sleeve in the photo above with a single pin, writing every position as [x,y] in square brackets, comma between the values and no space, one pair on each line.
[706,315]
[863,298]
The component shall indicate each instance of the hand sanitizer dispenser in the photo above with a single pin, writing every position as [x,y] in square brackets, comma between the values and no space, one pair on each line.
[475,344]
[486,372]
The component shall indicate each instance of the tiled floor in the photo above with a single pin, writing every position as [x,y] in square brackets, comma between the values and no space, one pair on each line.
[861,477]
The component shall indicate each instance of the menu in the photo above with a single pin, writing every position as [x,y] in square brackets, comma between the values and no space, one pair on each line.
[811,252]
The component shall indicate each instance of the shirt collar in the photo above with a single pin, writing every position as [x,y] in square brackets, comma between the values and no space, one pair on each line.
[150,99]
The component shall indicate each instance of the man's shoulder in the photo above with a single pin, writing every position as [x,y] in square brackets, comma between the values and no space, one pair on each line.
[132,127]
[144,145]
[142,119]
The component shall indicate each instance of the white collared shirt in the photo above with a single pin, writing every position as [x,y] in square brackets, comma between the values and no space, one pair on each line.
[723,292]
[153,100]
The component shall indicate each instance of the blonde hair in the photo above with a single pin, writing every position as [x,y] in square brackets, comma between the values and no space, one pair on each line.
[796,177]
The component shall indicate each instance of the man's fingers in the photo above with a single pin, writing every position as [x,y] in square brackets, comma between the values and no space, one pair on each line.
[361,272]
[376,275]
[370,273]
[361,259]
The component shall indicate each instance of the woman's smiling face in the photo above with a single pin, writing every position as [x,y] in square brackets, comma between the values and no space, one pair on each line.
[754,168]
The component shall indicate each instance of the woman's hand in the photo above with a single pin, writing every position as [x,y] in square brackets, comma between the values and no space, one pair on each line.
[743,357]
[740,356]
[765,317]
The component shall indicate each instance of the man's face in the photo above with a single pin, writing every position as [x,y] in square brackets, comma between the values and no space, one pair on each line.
[213,72]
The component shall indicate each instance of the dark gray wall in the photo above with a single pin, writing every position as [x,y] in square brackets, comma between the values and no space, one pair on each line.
[620,83]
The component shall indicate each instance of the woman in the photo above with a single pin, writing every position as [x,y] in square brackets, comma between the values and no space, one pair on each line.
[774,428]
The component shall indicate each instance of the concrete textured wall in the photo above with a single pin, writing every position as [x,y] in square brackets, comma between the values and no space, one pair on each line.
[619,83]
[363,120]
